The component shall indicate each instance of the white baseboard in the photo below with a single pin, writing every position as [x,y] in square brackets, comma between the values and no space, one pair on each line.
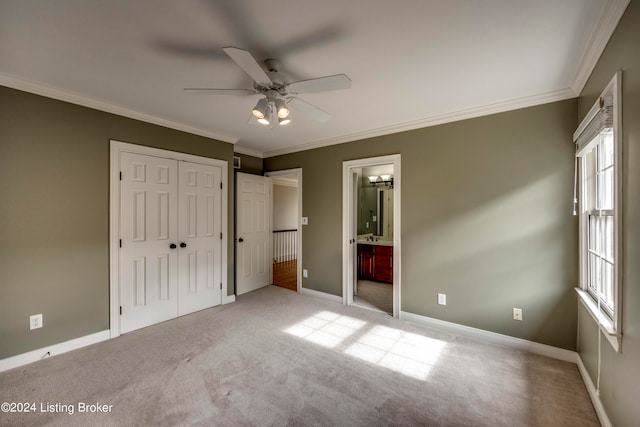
[226,299]
[323,295]
[593,394]
[52,350]
[492,337]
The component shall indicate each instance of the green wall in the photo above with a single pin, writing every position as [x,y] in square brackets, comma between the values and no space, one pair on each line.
[486,219]
[54,214]
[249,164]
[620,373]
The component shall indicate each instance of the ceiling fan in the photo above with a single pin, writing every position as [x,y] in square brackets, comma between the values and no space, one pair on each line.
[277,94]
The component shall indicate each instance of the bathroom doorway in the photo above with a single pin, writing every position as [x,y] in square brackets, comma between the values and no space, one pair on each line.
[371,229]
[374,242]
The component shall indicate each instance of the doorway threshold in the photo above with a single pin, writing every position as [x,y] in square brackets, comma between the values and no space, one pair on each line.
[360,303]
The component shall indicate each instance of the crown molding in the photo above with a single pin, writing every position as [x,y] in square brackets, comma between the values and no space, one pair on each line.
[74,98]
[54,93]
[248,151]
[607,24]
[455,116]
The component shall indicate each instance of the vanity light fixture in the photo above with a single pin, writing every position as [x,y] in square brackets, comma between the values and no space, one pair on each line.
[382,180]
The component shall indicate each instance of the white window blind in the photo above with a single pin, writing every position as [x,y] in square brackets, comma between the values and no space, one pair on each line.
[599,118]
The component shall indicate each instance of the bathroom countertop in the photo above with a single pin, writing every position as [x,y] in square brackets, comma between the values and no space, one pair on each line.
[377,243]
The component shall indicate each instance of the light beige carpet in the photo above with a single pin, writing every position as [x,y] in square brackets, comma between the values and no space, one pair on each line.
[278,358]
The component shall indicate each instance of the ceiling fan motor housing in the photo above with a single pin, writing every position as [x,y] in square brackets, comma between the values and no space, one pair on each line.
[273,67]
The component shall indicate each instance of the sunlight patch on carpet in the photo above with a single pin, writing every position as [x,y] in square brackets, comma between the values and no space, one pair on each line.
[406,353]
[326,328]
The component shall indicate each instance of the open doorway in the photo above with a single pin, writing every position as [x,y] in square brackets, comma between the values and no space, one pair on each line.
[371,228]
[373,284]
[287,233]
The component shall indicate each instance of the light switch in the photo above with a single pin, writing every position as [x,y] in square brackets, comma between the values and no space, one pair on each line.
[305,220]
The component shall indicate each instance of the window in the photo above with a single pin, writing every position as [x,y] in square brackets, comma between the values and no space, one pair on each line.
[598,153]
[598,203]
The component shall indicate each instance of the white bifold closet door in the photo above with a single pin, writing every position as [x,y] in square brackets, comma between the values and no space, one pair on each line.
[170,255]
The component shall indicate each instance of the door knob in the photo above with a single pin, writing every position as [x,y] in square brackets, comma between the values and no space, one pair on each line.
[183,245]
[241,240]
[172,246]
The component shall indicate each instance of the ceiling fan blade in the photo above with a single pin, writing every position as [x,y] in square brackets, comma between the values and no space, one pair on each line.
[249,65]
[309,109]
[231,92]
[338,81]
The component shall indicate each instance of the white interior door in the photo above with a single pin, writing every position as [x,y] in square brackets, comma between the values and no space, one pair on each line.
[200,237]
[148,264]
[253,247]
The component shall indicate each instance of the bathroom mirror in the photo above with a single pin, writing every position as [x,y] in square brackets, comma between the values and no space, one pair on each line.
[375,202]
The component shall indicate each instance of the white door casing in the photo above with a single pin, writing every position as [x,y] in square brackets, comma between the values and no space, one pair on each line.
[148,274]
[353,237]
[254,232]
[145,271]
[348,205]
[200,237]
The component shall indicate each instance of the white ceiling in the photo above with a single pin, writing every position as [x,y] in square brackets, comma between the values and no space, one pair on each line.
[413,63]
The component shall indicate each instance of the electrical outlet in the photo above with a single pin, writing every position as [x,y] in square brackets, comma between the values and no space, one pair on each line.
[517,314]
[35,321]
[442,299]
[305,273]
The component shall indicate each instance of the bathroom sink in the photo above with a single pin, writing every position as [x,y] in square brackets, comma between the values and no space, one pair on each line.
[379,242]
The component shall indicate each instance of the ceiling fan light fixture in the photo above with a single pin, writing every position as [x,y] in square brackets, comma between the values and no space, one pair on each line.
[260,110]
[284,121]
[281,108]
